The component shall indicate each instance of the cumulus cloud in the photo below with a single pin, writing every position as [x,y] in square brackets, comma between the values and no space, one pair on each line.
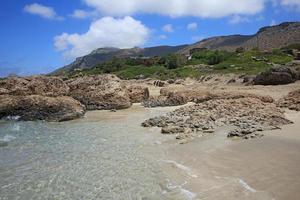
[192,26]
[236,19]
[106,32]
[178,8]
[42,11]
[82,14]
[168,28]
[291,3]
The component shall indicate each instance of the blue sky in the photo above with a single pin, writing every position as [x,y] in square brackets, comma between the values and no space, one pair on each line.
[39,36]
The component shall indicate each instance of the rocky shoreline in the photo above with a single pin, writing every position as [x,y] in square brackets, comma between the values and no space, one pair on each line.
[215,103]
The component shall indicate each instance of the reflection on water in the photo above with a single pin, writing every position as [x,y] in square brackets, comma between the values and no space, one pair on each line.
[102,156]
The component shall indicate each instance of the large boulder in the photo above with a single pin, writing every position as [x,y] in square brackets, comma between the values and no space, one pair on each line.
[100,92]
[138,94]
[276,76]
[36,107]
[34,85]
[291,101]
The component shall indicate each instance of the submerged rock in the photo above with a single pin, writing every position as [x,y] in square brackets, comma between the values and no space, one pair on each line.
[291,101]
[36,107]
[100,92]
[248,115]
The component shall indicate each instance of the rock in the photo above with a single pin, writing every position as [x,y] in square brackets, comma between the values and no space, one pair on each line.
[34,85]
[276,76]
[198,95]
[159,83]
[138,94]
[161,101]
[248,79]
[291,101]
[36,107]
[100,92]
[231,81]
[248,115]
[172,130]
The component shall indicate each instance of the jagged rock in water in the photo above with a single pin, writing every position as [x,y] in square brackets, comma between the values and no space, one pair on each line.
[138,94]
[276,76]
[36,107]
[291,101]
[248,115]
[100,92]
[34,85]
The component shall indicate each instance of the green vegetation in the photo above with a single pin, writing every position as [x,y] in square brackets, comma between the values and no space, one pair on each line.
[202,62]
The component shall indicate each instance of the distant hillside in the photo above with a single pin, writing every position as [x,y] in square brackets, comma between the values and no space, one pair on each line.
[104,54]
[267,38]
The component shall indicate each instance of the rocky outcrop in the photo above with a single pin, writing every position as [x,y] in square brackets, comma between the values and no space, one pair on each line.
[198,95]
[291,101]
[171,99]
[100,92]
[34,85]
[138,94]
[36,107]
[276,76]
[247,115]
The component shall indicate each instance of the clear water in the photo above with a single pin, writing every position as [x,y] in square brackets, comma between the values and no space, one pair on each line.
[103,156]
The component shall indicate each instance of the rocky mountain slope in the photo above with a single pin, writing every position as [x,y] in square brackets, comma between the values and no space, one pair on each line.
[266,38]
[104,54]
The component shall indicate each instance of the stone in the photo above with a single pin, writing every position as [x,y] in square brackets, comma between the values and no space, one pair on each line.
[37,107]
[291,101]
[138,94]
[100,92]
[276,76]
[34,85]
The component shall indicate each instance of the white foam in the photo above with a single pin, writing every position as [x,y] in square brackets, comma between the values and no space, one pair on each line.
[14,118]
[246,186]
[7,138]
[182,167]
[186,193]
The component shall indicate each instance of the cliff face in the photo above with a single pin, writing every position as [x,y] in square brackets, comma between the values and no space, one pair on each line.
[266,38]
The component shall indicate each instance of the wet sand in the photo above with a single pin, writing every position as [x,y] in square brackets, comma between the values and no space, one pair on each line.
[262,169]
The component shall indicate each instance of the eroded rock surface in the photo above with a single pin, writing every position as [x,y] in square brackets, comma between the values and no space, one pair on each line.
[100,92]
[138,94]
[248,115]
[161,101]
[36,107]
[291,101]
[34,85]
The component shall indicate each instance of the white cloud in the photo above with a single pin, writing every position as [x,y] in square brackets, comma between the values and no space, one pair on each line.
[106,32]
[192,26]
[291,3]
[178,8]
[168,28]
[42,11]
[82,14]
[236,19]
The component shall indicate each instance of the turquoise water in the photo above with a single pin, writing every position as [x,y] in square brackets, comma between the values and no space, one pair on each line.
[103,156]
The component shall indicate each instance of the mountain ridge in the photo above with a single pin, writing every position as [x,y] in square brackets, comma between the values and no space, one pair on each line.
[266,38]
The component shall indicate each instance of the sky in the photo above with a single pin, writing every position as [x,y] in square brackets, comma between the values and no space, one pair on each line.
[39,36]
